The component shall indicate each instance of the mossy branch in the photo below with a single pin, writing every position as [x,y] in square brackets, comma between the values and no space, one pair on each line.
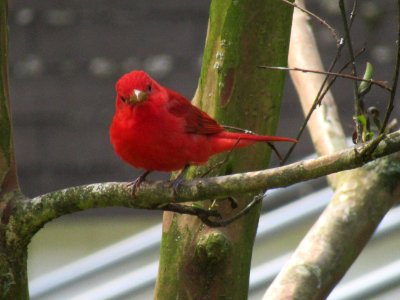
[34,213]
[361,200]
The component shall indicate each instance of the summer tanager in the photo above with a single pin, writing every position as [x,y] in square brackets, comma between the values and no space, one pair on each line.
[157,129]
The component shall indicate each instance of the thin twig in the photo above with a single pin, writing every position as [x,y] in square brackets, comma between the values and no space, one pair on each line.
[390,105]
[321,93]
[380,83]
[332,81]
[357,100]
[203,214]
[322,21]
[353,14]
[238,129]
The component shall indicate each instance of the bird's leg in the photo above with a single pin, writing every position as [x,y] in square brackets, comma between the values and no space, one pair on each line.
[179,179]
[138,181]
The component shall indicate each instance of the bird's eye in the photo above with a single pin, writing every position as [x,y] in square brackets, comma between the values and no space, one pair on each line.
[123,99]
[149,88]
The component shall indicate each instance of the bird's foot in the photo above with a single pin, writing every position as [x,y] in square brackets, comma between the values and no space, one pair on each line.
[179,180]
[134,185]
[175,184]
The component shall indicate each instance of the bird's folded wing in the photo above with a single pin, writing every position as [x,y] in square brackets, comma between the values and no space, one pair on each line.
[196,120]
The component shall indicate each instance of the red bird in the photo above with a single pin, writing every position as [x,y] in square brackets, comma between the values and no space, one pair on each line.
[157,129]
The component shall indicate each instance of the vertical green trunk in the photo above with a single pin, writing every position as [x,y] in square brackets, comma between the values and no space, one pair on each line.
[13,273]
[13,252]
[198,262]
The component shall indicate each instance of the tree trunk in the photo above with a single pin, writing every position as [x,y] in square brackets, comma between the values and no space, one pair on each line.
[13,250]
[198,262]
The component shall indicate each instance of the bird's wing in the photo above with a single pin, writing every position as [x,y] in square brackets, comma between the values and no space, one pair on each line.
[196,120]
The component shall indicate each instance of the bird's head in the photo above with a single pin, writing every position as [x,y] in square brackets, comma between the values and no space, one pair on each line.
[135,87]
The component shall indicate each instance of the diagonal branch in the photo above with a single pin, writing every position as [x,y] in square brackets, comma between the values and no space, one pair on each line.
[341,232]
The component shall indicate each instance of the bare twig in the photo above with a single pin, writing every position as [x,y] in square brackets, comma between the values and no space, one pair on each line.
[325,129]
[321,93]
[238,129]
[358,106]
[390,105]
[203,214]
[319,19]
[332,80]
[353,13]
[381,83]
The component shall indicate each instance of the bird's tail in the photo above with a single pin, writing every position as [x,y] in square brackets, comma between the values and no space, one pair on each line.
[254,137]
[225,141]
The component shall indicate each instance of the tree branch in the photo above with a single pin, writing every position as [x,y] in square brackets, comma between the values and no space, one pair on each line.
[34,213]
[341,232]
[362,198]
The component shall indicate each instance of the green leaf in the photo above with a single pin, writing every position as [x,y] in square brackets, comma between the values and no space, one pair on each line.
[363,120]
[365,86]
[367,134]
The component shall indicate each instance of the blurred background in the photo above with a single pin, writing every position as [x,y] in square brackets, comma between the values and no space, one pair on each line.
[65,58]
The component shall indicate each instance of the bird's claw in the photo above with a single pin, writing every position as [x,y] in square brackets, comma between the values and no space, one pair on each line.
[179,179]
[175,184]
[134,185]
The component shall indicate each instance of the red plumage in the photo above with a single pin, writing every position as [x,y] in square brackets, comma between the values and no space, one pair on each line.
[157,129]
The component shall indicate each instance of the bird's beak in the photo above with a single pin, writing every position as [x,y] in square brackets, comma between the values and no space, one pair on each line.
[137,97]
